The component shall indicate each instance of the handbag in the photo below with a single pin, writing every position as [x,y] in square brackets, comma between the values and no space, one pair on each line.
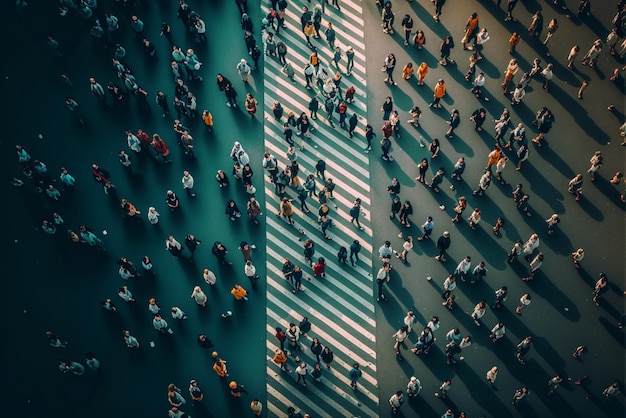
[197,65]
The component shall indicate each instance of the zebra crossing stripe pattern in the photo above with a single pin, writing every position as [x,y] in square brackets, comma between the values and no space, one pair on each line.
[340,306]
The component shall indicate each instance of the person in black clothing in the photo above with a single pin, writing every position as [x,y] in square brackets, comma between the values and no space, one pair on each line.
[161,101]
[219,251]
[478,117]
[287,270]
[192,243]
[204,342]
[396,205]
[305,325]
[355,247]
[443,243]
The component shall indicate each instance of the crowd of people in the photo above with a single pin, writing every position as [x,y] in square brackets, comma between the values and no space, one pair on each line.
[337,94]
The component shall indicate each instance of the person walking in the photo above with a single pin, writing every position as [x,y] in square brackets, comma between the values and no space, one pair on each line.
[443,389]
[439,92]
[355,213]
[523,301]
[354,375]
[535,265]
[519,395]
[414,387]
[596,162]
[530,246]
[400,336]
[381,277]
[611,391]
[599,288]
[388,66]
[424,341]
[281,360]
[497,332]
[577,257]
[500,297]
[448,286]
[492,374]
[553,384]
[302,371]
[327,356]
[443,243]
[355,247]
[199,296]
[575,186]
[396,401]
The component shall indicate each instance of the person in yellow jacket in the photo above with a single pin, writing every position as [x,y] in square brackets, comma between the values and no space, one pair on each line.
[219,366]
[421,73]
[207,117]
[239,293]
[407,71]
[471,28]
[440,91]
[281,359]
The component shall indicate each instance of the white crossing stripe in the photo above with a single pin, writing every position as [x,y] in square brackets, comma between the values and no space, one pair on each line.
[340,306]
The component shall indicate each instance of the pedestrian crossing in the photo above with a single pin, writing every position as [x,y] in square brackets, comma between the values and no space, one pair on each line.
[340,306]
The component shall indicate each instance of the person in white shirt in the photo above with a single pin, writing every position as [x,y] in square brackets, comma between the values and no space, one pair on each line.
[250,272]
[409,320]
[244,70]
[400,336]
[177,313]
[547,75]
[301,371]
[463,268]
[133,142]
[188,183]
[153,216]
[497,332]
[200,30]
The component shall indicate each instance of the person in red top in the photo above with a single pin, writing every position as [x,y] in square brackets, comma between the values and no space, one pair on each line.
[343,108]
[144,139]
[319,268]
[281,337]
[387,129]
[161,148]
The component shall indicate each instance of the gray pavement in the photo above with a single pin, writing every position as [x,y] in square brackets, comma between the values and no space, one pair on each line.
[562,315]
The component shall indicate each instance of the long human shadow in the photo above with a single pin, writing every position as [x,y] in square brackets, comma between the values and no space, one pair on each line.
[541,186]
[420,406]
[438,28]
[544,286]
[423,55]
[580,115]
[610,191]
[485,66]
[590,208]
[400,98]
[547,153]
[480,390]
[613,330]
[559,243]
[461,147]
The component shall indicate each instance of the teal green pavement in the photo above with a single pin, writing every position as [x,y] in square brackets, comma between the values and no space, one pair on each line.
[52,284]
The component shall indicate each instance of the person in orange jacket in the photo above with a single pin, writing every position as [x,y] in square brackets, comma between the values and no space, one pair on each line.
[219,366]
[239,293]
[440,91]
[281,359]
[421,73]
[207,117]
[407,71]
